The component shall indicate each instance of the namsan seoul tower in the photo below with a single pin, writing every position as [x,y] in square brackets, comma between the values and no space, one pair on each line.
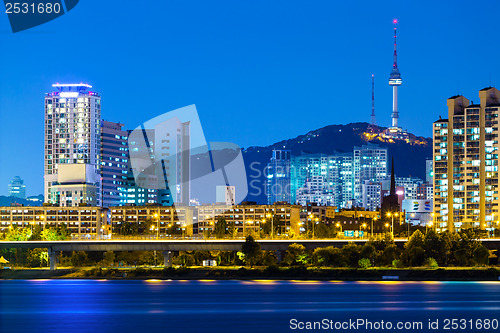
[395,81]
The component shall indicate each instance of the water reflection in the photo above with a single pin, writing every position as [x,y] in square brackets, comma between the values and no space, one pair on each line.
[216,306]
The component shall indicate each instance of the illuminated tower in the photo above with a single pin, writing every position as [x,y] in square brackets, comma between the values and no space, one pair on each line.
[395,81]
[72,145]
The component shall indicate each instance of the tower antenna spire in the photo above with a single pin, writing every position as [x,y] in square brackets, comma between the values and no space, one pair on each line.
[373,120]
[395,63]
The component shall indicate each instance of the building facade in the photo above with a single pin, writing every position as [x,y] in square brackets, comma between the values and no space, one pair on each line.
[114,164]
[161,221]
[160,160]
[278,177]
[410,186]
[225,195]
[466,163]
[371,195]
[73,136]
[16,188]
[369,164]
[82,222]
[324,179]
[249,218]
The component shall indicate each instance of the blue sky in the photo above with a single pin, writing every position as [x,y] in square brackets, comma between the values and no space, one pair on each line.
[258,71]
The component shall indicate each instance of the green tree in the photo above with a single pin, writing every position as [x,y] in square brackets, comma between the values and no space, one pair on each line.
[232,230]
[36,233]
[18,234]
[60,232]
[79,259]
[251,250]
[364,263]
[481,255]
[108,258]
[368,251]
[37,258]
[466,244]
[351,253]
[328,256]
[220,229]
[296,255]
[414,253]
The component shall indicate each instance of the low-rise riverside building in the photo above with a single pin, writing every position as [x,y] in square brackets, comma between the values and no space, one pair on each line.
[82,222]
[158,221]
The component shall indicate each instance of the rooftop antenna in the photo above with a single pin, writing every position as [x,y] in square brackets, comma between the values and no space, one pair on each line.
[373,120]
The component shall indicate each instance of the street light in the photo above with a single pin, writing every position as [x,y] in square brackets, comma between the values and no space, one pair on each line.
[392,224]
[272,225]
[433,223]
[363,225]
[315,221]
[412,215]
[157,225]
[338,225]
[429,224]
[374,218]
[311,217]
[42,217]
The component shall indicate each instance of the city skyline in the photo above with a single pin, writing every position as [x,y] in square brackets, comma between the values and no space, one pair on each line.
[302,67]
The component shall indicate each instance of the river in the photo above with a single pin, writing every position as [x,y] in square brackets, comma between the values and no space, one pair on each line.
[246,306]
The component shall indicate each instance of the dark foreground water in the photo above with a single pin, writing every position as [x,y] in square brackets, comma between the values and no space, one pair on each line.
[245,306]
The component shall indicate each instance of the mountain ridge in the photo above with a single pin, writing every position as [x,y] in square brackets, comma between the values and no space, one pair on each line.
[409,156]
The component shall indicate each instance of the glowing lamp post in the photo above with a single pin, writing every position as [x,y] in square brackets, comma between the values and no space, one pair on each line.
[362,226]
[375,218]
[338,225]
[272,225]
[157,225]
[433,223]
[392,222]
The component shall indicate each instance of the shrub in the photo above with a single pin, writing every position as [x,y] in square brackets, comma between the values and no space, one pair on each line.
[431,262]
[364,263]
[481,255]
[396,263]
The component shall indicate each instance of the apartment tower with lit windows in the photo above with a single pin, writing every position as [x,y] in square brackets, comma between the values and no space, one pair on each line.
[72,145]
[465,161]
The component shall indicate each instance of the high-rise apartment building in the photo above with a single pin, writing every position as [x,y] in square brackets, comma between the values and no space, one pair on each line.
[410,186]
[144,189]
[72,137]
[278,177]
[466,163]
[114,164]
[17,188]
[335,186]
[160,161]
[225,195]
[315,190]
[429,172]
[370,164]
[371,195]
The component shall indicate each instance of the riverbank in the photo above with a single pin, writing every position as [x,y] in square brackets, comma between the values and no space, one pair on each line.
[273,272]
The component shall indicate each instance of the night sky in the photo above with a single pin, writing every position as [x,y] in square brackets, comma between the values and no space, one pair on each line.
[258,71]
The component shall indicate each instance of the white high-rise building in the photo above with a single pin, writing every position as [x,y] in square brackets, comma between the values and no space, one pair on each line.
[336,172]
[371,194]
[225,195]
[72,136]
[370,164]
